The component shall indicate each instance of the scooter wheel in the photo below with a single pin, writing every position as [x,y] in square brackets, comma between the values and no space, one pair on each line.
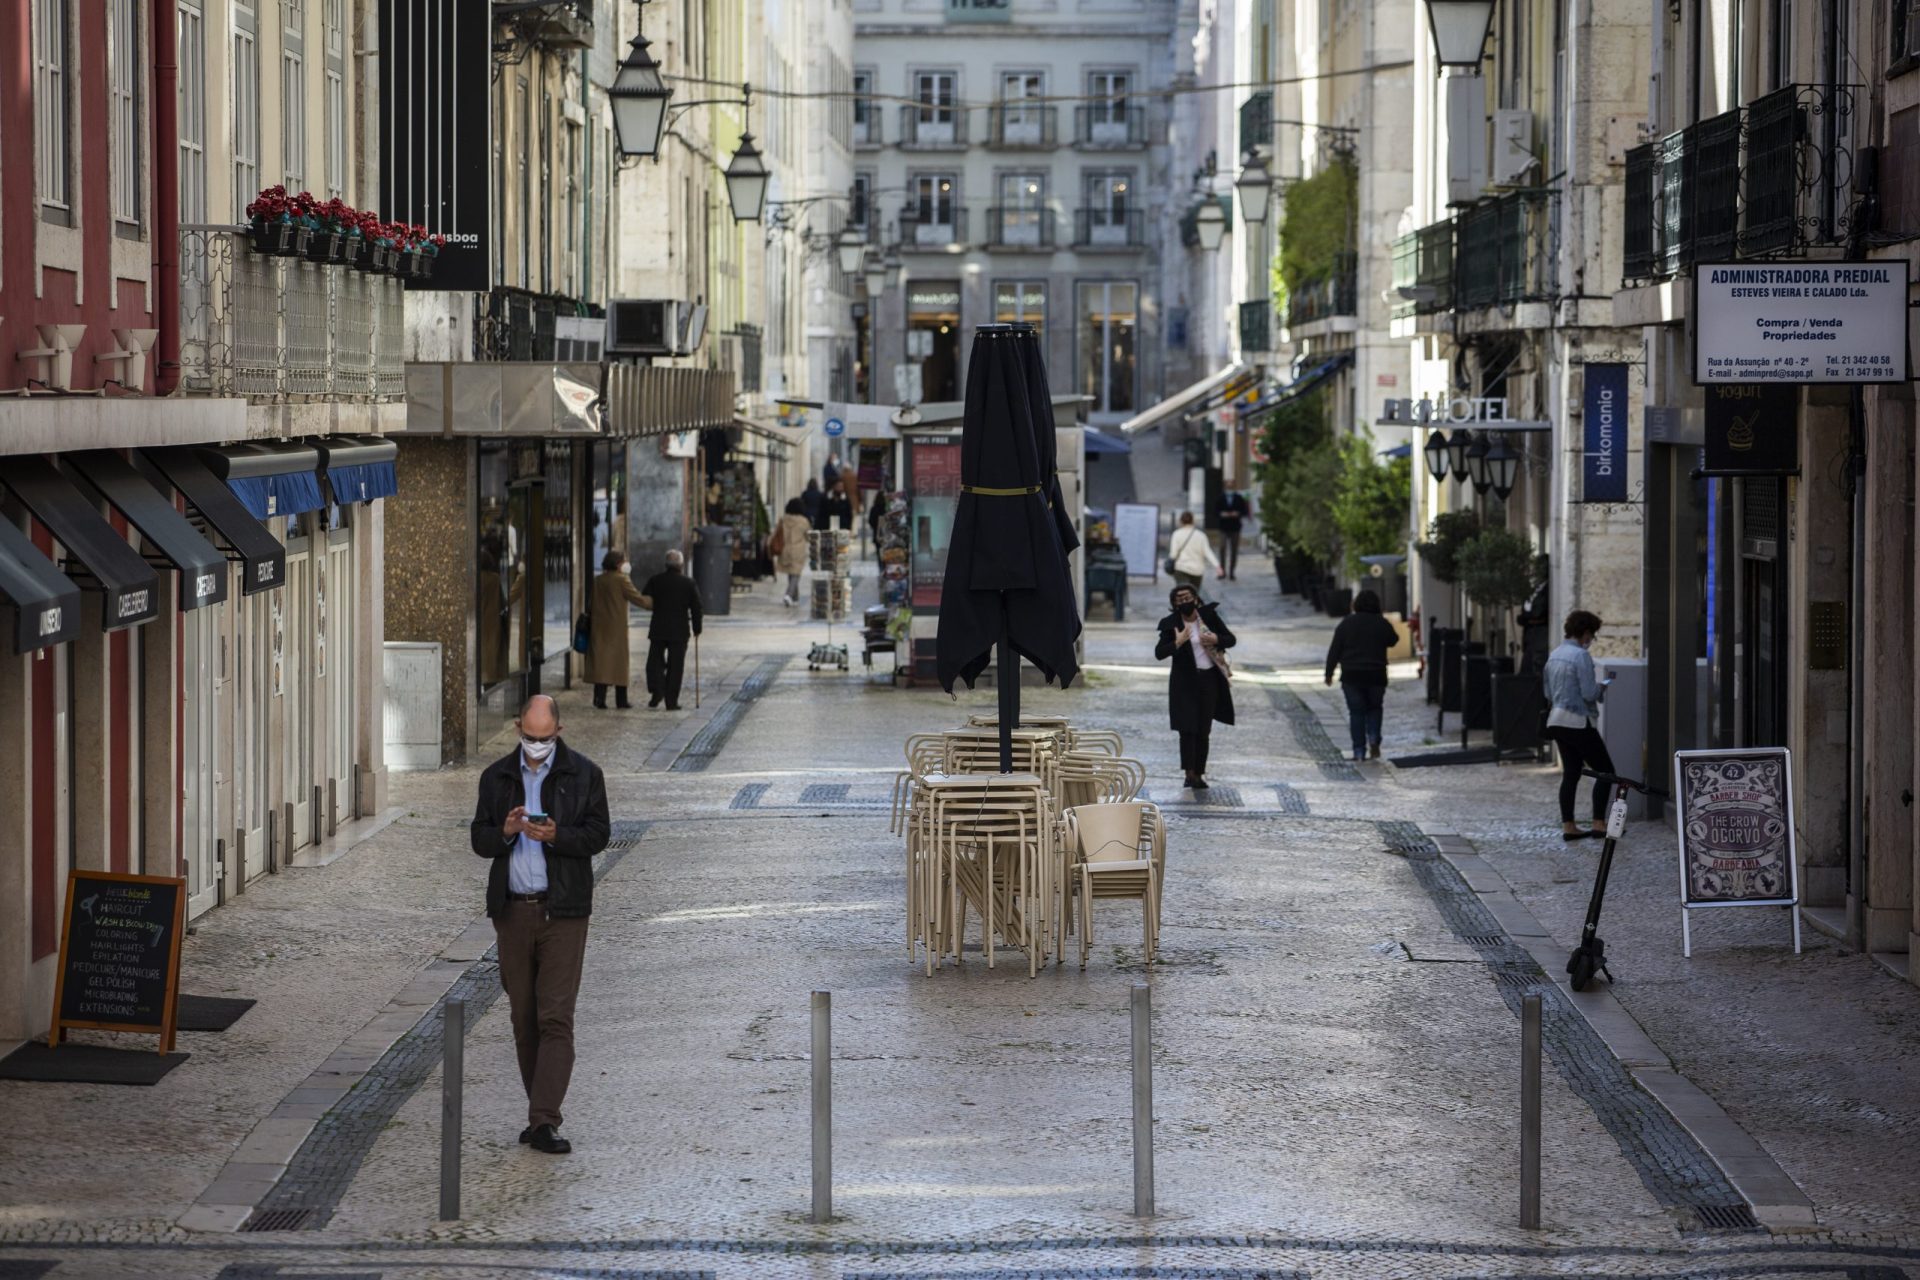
[1582,968]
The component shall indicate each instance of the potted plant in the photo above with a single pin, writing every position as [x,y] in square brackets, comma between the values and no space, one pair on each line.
[270,222]
[1499,571]
[430,255]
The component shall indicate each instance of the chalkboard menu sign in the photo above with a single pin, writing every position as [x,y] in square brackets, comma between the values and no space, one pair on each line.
[120,954]
[1735,819]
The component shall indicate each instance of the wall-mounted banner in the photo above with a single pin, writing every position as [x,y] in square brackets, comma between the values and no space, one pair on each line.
[1603,414]
[1800,322]
[436,132]
[1752,430]
[1734,812]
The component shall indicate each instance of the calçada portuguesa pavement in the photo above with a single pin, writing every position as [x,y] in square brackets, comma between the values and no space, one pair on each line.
[1336,1030]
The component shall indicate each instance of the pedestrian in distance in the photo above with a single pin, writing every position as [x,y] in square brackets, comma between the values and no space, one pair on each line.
[675,602]
[830,472]
[541,817]
[836,508]
[1233,514]
[1190,555]
[811,499]
[789,548]
[1574,693]
[1359,650]
[608,663]
[1199,691]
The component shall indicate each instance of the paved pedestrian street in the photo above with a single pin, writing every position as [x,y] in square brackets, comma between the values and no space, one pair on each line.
[1336,1031]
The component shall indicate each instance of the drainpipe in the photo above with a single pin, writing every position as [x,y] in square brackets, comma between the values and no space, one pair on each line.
[166,193]
[1866,185]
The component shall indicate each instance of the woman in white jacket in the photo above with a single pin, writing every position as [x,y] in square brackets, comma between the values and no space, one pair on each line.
[1191,553]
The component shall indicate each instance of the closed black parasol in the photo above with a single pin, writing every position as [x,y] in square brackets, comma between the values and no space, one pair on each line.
[1007,581]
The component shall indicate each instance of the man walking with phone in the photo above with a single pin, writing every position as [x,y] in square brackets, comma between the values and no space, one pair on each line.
[541,817]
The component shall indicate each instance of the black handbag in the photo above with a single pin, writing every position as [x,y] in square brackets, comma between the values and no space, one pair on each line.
[582,632]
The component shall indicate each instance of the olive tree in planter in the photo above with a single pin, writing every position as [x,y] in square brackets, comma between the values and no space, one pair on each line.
[1446,534]
[1499,571]
[1370,504]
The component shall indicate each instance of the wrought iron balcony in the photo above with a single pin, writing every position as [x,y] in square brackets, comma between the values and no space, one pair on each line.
[1256,327]
[1326,296]
[1256,121]
[1019,228]
[1636,261]
[1108,228]
[1502,253]
[1022,126]
[516,324]
[929,128]
[924,227]
[1109,126]
[1673,203]
[1800,141]
[1423,270]
[273,328]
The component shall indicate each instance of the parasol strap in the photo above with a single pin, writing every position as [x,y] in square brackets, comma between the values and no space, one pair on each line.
[999,493]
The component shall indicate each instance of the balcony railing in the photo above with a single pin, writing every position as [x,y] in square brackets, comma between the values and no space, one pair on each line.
[1256,335]
[1256,120]
[1106,228]
[515,324]
[933,128]
[1109,126]
[932,229]
[1326,296]
[866,129]
[1013,228]
[1022,126]
[1423,270]
[1501,252]
[276,328]
[1637,257]
[1673,205]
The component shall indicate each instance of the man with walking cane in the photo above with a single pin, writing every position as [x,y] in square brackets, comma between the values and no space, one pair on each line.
[675,602]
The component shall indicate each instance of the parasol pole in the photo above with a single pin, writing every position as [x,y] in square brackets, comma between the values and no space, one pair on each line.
[1008,680]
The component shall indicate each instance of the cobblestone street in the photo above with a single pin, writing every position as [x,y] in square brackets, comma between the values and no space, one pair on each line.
[1336,1030]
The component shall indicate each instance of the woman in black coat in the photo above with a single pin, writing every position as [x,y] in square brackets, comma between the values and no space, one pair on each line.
[1198,691]
[1359,650]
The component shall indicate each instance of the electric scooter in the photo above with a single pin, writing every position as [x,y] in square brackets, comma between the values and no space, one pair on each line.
[1590,957]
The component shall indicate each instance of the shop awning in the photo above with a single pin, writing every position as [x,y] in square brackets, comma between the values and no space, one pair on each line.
[269,480]
[1181,400]
[1273,397]
[791,436]
[203,570]
[247,540]
[128,584]
[359,469]
[44,602]
[1098,441]
[1398,451]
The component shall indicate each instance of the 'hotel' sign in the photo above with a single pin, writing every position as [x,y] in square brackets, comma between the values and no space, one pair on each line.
[1459,411]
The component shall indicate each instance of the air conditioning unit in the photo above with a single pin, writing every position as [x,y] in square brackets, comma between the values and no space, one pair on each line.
[578,339]
[644,327]
[1512,152]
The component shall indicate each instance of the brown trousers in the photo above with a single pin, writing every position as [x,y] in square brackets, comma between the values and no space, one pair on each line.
[540,971]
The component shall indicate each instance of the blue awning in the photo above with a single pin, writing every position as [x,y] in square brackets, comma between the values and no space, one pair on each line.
[359,470]
[269,480]
[1273,397]
[1398,451]
[1098,441]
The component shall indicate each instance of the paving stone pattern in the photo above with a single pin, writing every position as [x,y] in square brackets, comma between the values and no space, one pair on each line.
[1335,765]
[712,738]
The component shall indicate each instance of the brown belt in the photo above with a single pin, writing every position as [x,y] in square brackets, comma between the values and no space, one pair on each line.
[526,897]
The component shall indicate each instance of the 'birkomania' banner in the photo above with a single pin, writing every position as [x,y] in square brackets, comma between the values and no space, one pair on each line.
[1734,812]
[1801,322]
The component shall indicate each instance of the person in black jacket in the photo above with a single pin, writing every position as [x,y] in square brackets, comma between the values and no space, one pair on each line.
[675,602]
[1359,649]
[541,817]
[1198,691]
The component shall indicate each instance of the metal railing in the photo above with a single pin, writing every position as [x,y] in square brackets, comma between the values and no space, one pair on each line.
[1423,270]
[867,132]
[1016,228]
[926,230]
[1501,252]
[269,327]
[1106,125]
[1256,120]
[1636,261]
[1715,187]
[1104,228]
[1018,126]
[1673,208]
[1256,326]
[927,128]
[1324,296]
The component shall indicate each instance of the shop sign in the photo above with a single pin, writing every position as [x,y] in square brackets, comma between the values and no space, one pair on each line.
[1801,322]
[119,966]
[835,427]
[1734,812]
[1603,417]
[979,10]
[1752,430]
[1455,411]
[934,299]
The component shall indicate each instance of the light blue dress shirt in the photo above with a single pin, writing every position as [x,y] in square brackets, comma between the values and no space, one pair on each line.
[527,869]
[1570,682]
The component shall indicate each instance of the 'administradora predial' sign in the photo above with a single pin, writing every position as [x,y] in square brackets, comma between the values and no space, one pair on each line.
[1802,322]
[1735,820]
[120,954]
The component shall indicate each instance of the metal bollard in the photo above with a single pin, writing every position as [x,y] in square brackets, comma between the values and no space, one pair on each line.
[219,873]
[1530,1112]
[1142,1100]
[822,1107]
[319,825]
[273,840]
[452,1069]
[287,840]
[239,861]
[333,805]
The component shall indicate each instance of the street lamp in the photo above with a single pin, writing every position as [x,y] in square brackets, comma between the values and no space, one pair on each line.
[1211,224]
[1255,185]
[1436,455]
[1503,466]
[852,248]
[747,181]
[1457,447]
[639,98]
[1477,462]
[892,263]
[876,273]
[1459,30]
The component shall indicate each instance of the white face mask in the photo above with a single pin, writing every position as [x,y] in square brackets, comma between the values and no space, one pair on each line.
[535,749]
[625,567]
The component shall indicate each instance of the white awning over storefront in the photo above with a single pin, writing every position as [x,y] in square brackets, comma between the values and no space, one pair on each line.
[1181,400]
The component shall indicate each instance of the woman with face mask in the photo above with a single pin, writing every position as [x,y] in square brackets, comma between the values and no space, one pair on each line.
[1198,691]
[607,664]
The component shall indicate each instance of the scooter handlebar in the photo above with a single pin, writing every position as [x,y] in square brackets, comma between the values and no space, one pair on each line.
[1615,780]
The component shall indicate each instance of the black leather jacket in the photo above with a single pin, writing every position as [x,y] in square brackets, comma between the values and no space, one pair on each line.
[575,794]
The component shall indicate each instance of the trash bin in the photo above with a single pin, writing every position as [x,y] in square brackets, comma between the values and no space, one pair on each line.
[1387,577]
[713,568]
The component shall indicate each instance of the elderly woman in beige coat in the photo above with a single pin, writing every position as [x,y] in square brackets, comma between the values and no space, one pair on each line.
[789,548]
[607,664]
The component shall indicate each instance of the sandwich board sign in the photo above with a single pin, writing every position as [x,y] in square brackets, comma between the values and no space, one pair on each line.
[1734,811]
[120,954]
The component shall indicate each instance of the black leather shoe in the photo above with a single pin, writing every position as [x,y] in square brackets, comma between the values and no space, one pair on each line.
[673,706]
[1199,783]
[547,1138]
[655,700]
[526,1135]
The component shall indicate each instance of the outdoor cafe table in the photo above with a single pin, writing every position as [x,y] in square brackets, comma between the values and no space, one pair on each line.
[1027,721]
[956,814]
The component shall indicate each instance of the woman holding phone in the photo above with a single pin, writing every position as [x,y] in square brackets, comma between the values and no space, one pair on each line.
[1198,690]
[1574,692]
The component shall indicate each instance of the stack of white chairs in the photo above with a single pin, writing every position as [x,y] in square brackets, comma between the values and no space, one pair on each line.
[1115,851]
